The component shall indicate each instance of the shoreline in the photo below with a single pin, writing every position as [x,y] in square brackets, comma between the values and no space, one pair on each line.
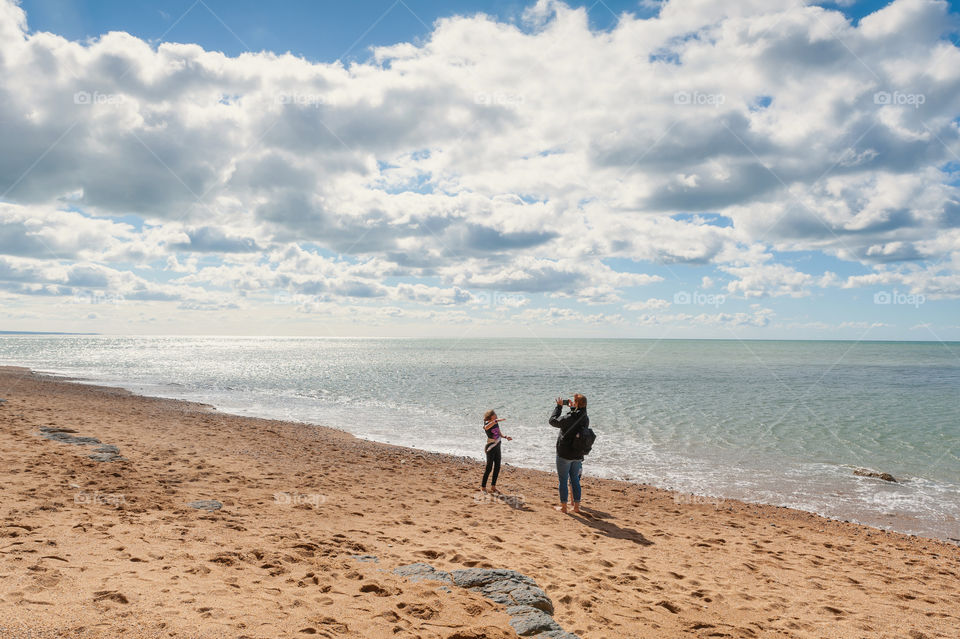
[301,499]
[899,523]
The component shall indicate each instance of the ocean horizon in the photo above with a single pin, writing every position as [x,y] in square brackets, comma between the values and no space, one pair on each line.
[782,422]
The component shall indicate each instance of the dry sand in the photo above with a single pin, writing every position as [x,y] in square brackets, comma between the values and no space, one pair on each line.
[91,549]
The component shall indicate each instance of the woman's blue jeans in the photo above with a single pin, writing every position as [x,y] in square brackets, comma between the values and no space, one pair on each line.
[569,470]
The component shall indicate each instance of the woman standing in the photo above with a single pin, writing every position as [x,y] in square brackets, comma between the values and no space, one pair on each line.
[569,460]
[491,428]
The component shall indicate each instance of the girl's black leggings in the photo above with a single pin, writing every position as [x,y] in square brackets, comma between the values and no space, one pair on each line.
[493,462]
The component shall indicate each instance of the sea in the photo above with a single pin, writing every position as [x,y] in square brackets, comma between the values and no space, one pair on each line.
[773,422]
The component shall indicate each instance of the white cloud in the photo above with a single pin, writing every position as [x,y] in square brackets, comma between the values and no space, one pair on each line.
[573,278]
[540,158]
[937,280]
[772,279]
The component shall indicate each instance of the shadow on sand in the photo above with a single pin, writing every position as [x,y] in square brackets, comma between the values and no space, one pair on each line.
[595,519]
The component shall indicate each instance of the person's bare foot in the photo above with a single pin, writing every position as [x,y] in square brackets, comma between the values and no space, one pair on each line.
[562,508]
[576,507]
[483,489]
[495,490]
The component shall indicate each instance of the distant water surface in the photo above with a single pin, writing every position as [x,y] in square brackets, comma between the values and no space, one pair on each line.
[778,422]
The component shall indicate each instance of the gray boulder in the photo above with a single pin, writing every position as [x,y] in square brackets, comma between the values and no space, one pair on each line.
[529,621]
[507,587]
[473,577]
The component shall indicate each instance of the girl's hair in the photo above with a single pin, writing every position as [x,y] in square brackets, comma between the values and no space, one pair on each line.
[579,401]
[487,415]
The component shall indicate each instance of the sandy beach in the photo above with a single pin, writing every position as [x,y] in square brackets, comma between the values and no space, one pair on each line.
[314,522]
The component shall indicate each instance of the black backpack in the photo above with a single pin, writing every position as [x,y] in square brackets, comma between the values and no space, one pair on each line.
[582,441]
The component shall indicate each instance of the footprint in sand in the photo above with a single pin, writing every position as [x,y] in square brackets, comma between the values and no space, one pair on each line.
[421,611]
[325,627]
[390,616]
[378,589]
[110,595]
[702,594]
[672,607]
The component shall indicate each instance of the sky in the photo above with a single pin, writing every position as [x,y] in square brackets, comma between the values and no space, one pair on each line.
[765,169]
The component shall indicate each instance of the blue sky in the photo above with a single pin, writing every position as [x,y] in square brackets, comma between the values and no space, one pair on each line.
[678,169]
[318,30]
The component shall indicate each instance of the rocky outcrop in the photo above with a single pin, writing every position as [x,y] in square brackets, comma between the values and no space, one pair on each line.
[103,452]
[66,436]
[531,622]
[106,453]
[529,607]
[866,472]
[507,587]
[423,572]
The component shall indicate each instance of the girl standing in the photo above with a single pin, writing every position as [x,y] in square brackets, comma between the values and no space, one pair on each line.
[491,428]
